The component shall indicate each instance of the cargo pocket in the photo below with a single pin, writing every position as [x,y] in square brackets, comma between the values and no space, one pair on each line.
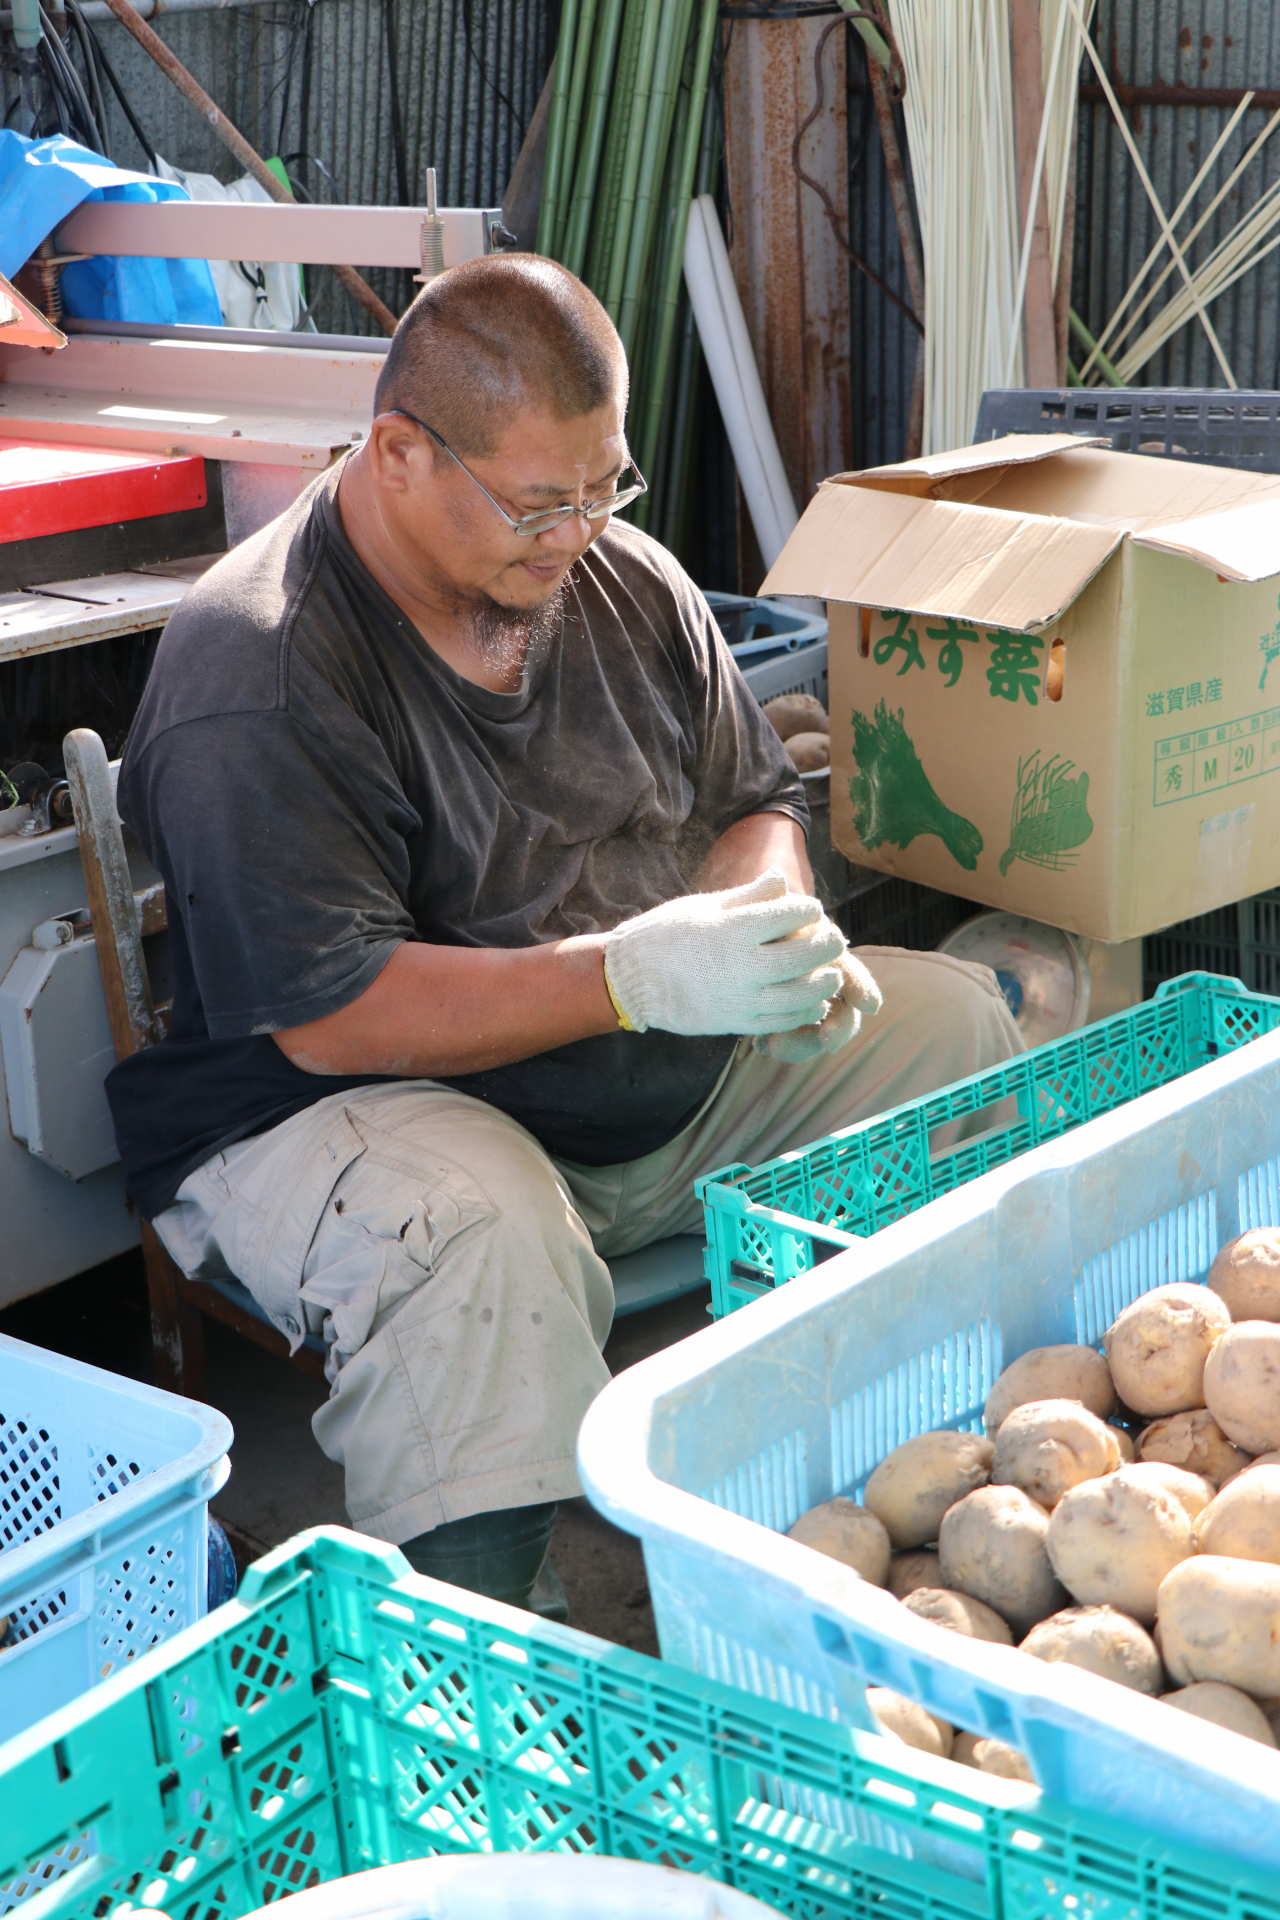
[387,1224]
[284,1196]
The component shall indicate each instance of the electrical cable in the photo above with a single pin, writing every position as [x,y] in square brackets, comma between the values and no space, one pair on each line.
[69,79]
[113,81]
[91,72]
[287,83]
[55,95]
[397,124]
[488,81]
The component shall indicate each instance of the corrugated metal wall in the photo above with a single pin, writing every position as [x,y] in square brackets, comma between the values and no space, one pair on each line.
[1188,43]
[1192,44]
[470,72]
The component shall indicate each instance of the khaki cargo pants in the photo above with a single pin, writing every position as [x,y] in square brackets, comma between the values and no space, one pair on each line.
[457,1273]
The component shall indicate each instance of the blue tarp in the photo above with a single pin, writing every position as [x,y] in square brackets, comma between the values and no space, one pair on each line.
[41,181]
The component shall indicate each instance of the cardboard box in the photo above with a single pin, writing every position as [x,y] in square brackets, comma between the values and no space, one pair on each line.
[1150,790]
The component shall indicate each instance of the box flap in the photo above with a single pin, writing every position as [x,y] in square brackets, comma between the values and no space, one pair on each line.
[1241,544]
[926,477]
[1130,491]
[879,549]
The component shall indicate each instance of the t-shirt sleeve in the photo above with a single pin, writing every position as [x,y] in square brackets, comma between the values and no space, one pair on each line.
[281,839]
[742,766]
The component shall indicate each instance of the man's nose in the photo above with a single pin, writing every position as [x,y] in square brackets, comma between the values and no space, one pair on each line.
[572,536]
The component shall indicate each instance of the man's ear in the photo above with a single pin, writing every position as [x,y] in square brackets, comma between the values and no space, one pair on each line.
[398,451]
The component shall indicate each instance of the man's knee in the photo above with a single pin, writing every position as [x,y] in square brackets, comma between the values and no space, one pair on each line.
[941,1000]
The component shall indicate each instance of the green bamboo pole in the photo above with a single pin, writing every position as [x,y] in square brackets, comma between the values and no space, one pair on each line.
[690,386]
[638,108]
[574,250]
[584,37]
[548,211]
[672,38]
[604,214]
[675,262]
[668,529]
[648,327]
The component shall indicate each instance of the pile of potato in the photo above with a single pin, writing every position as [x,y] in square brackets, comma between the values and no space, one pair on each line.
[801,723]
[1121,1513]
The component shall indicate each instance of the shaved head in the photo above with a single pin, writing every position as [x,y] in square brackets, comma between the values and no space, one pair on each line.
[496,335]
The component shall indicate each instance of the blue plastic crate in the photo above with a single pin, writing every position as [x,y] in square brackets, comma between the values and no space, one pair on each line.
[768,1223]
[104,1491]
[711,1450]
[344,1714]
[758,629]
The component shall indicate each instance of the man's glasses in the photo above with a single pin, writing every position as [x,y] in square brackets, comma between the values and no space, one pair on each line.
[531,523]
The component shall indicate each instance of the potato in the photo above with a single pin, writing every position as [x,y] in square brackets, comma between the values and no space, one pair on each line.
[1263,1460]
[1157,1347]
[960,1613]
[991,1756]
[1246,1272]
[846,1532]
[1124,1440]
[909,1722]
[910,1571]
[1102,1641]
[808,751]
[1225,1707]
[1220,1620]
[913,1486]
[1243,1521]
[1051,1373]
[1242,1388]
[1050,1445]
[796,713]
[1195,1442]
[1191,1490]
[1111,1542]
[992,1547]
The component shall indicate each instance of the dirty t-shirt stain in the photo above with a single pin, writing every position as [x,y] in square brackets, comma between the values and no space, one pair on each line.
[316,785]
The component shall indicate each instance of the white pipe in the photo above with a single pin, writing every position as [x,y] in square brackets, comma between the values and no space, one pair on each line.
[736,379]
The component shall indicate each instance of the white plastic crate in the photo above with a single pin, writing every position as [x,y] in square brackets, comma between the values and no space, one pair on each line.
[104,1492]
[798,1396]
[534,1886]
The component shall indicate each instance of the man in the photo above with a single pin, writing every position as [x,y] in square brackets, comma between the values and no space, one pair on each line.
[492,923]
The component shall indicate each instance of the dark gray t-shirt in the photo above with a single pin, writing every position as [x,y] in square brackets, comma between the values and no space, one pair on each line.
[316,785]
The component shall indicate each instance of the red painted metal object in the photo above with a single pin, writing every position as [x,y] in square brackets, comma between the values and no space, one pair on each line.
[50,488]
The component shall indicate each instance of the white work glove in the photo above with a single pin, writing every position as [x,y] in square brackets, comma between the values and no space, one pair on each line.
[858,994]
[752,959]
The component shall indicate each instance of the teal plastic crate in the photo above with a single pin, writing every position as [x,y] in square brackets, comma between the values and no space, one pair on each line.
[766,1224]
[343,1714]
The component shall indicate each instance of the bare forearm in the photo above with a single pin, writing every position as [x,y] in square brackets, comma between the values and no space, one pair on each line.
[448,1010]
[751,846]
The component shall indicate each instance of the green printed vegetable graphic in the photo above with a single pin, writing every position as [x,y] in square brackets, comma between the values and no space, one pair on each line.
[1050,813]
[891,795]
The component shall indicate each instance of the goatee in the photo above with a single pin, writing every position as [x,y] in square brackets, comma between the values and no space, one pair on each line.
[508,639]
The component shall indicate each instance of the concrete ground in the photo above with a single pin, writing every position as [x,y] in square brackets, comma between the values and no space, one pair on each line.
[281,1482]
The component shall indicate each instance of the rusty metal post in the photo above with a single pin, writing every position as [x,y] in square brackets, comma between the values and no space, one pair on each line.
[791,272]
[234,140]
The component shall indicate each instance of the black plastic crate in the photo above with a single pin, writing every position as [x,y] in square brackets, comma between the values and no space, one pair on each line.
[1217,427]
[900,913]
[1240,941]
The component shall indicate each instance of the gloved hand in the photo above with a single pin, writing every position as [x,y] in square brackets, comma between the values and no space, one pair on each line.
[858,994]
[723,962]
